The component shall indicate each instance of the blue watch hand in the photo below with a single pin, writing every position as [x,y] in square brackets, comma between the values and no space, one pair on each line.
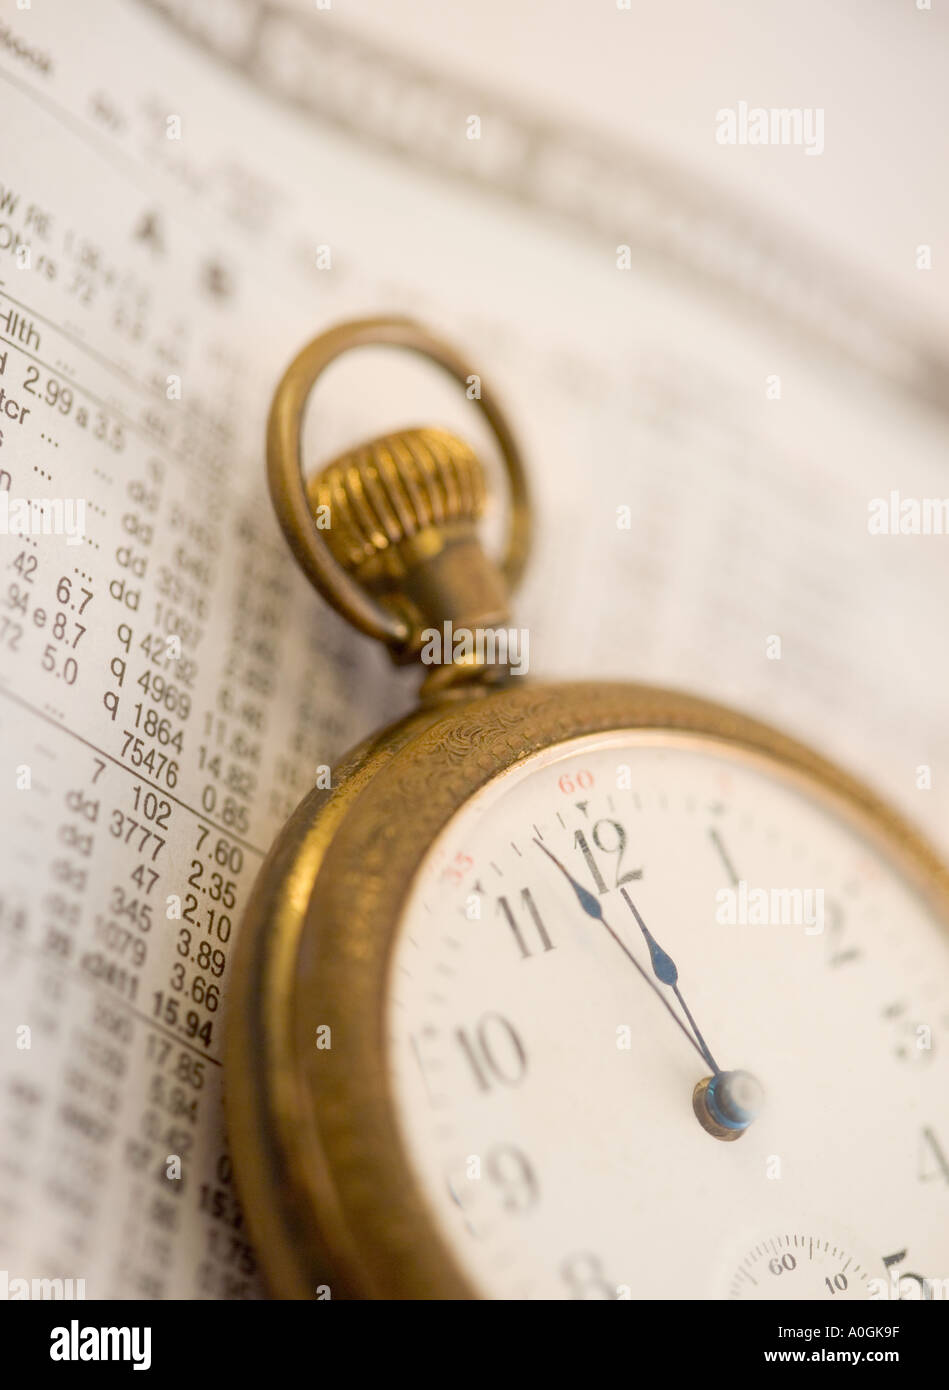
[726,1102]
[592,908]
[664,968]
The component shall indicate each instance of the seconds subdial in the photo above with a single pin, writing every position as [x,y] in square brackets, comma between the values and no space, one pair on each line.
[801,1266]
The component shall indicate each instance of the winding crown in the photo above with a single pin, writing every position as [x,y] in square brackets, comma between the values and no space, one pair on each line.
[394,488]
[400,514]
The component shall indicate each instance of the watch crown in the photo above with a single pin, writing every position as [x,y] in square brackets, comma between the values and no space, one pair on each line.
[394,488]
[387,533]
[400,514]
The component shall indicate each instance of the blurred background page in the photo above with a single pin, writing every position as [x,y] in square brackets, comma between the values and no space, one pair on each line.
[719,357]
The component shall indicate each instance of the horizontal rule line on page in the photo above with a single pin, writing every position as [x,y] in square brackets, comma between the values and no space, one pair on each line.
[105,406]
[100,752]
[77,976]
[267,270]
[153,393]
[155,441]
[124,166]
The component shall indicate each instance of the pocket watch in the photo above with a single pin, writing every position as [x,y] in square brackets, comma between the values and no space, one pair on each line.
[570,990]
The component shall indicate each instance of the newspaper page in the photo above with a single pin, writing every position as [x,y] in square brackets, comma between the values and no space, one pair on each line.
[189,193]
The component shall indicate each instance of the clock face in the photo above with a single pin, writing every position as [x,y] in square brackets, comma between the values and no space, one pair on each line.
[602,930]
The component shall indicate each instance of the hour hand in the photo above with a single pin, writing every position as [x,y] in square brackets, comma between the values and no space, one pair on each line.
[587,900]
[591,906]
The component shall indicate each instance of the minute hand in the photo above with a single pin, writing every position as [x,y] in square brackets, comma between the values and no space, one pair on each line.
[664,968]
[592,908]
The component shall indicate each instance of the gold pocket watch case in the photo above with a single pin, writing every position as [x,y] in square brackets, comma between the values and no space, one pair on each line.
[430,1092]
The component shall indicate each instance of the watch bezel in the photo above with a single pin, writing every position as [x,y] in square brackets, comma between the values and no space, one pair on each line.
[328,1188]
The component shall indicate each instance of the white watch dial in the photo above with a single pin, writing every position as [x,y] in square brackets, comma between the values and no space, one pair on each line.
[544,1064]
